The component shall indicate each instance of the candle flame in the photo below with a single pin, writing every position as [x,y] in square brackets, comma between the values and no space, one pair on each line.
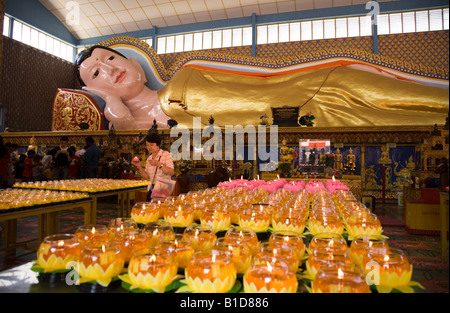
[257,176]
[60,243]
[286,238]
[241,234]
[153,258]
[213,260]
[278,176]
[196,232]
[386,258]
[340,273]
[93,230]
[103,248]
[330,244]
[176,243]
[269,267]
[179,208]
[334,179]
[275,253]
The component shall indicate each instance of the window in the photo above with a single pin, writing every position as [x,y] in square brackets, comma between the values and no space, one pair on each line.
[6,22]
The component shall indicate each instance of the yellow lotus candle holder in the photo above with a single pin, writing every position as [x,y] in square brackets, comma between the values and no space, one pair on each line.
[388,271]
[145,212]
[325,222]
[181,249]
[91,233]
[210,271]
[179,215]
[201,237]
[56,252]
[217,217]
[100,262]
[131,241]
[239,252]
[288,219]
[159,231]
[292,239]
[327,240]
[243,235]
[327,256]
[258,217]
[151,270]
[120,225]
[339,279]
[360,223]
[270,278]
[363,244]
[278,251]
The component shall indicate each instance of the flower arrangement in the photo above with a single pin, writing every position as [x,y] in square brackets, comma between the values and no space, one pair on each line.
[327,159]
[121,163]
[184,165]
[287,157]
[264,119]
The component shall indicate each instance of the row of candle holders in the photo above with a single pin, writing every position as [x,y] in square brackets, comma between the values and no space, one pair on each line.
[84,185]
[18,198]
[160,248]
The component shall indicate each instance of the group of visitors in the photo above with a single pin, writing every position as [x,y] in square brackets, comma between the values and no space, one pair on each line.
[61,162]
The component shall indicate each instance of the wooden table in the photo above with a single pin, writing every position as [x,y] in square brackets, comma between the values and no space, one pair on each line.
[47,220]
[444,224]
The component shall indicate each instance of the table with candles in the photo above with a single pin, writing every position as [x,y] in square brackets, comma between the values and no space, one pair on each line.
[318,238]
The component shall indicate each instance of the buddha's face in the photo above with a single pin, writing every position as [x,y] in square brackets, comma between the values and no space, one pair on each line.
[111,73]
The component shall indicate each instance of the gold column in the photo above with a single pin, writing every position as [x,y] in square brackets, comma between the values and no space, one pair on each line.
[363,167]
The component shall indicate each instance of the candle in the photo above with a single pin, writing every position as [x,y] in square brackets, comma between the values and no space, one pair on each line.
[243,235]
[321,222]
[198,207]
[363,244]
[240,253]
[328,255]
[289,220]
[217,217]
[151,270]
[119,225]
[158,232]
[145,212]
[181,249]
[389,269]
[131,241]
[210,271]
[179,215]
[100,262]
[91,233]
[201,237]
[277,252]
[257,217]
[57,251]
[327,240]
[339,279]
[292,239]
[363,223]
[267,277]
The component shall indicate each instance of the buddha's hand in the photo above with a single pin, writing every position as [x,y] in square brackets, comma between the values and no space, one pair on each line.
[108,97]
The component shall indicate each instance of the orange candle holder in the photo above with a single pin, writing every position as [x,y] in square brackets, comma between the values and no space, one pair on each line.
[389,270]
[91,233]
[327,240]
[56,252]
[151,270]
[240,253]
[131,241]
[327,256]
[119,225]
[158,232]
[270,278]
[145,212]
[198,207]
[100,262]
[210,271]
[181,249]
[339,279]
[217,217]
[277,251]
[179,215]
[201,237]
[289,220]
[363,244]
[320,222]
[243,235]
[258,217]
[363,223]
[291,238]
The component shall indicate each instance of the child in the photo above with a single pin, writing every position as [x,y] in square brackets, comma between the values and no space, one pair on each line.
[28,166]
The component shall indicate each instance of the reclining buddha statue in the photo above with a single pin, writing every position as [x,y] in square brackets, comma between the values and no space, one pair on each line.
[339,94]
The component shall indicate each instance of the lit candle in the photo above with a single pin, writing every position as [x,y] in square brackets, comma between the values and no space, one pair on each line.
[100,261]
[323,222]
[201,237]
[57,251]
[363,223]
[267,277]
[120,225]
[391,269]
[179,215]
[277,252]
[339,279]
[151,270]
[210,271]
[131,241]
[239,252]
[159,231]
[145,212]
[363,244]
[91,233]
[257,217]
[289,220]
[218,218]
[292,239]
[327,241]
[326,255]
[181,249]
[243,235]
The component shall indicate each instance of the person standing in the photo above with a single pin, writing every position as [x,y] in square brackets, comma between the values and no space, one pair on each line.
[91,158]
[61,159]
[159,164]
[28,166]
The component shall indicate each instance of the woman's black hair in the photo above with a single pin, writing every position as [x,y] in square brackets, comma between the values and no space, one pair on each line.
[153,138]
[83,55]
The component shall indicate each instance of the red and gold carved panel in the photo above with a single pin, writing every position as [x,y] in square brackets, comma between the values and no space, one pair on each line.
[71,107]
